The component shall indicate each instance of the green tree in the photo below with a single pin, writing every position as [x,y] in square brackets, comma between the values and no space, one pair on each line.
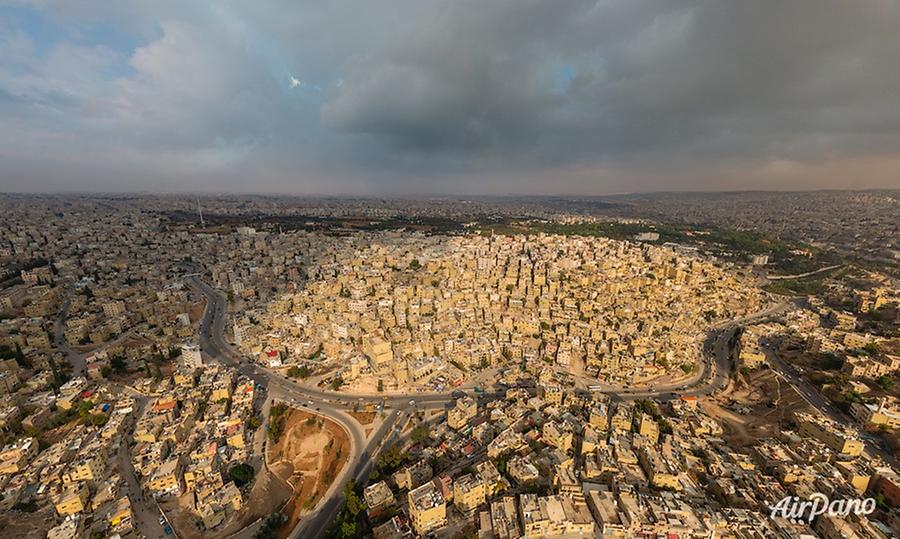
[420,433]
[269,525]
[336,383]
[84,407]
[390,459]
[21,359]
[276,421]
[241,474]
[118,363]
[355,504]
[348,529]
[98,420]
[415,264]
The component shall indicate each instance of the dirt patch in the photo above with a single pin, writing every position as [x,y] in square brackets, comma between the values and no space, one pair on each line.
[267,495]
[195,311]
[754,407]
[309,456]
[27,525]
[364,418]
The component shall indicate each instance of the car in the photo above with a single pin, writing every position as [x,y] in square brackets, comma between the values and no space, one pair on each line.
[412,402]
[162,521]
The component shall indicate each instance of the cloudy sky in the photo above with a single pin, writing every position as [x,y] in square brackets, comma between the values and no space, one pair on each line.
[451,96]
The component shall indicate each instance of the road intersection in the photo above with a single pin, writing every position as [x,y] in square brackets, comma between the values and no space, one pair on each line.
[713,375]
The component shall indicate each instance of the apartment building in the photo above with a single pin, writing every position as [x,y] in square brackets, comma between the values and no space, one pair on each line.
[427,508]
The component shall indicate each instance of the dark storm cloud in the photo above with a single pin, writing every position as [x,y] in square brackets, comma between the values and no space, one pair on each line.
[493,96]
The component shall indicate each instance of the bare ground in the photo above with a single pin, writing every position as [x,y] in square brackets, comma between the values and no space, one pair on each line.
[309,455]
[767,402]
[27,525]
[364,418]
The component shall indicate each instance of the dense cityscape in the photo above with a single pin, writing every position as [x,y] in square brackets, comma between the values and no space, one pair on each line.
[255,367]
[479,269]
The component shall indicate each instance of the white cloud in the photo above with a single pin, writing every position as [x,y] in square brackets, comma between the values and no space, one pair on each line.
[295,82]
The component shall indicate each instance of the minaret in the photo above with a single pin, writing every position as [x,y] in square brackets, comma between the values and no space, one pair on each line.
[200,211]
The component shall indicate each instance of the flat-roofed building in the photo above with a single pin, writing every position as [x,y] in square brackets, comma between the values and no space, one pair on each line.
[378,496]
[167,478]
[602,504]
[427,508]
[465,409]
[831,434]
[468,493]
[505,518]
[72,500]
[552,516]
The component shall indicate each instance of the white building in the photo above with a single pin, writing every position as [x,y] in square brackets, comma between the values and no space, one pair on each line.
[190,355]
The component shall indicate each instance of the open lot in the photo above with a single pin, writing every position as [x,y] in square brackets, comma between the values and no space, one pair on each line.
[755,407]
[308,455]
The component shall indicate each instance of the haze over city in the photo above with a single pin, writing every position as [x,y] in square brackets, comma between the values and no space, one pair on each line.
[470,97]
[468,269]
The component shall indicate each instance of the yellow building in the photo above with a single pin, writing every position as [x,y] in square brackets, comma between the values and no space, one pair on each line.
[427,508]
[121,512]
[14,456]
[648,428]
[662,473]
[557,436]
[553,394]
[167,479]
[72,500]
[856,475]
[599,417]
[378,496]
[883,413]
[621,420]
[830,434]
[86,469]
[465,409]
[469,493]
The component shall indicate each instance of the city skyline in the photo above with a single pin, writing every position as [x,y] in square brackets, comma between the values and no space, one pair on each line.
[423,98]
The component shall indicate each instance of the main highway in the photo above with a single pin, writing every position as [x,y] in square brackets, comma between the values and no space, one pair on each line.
[329,404]
[713,375]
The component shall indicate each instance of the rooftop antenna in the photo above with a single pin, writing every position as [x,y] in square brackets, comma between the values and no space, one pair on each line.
[200,211]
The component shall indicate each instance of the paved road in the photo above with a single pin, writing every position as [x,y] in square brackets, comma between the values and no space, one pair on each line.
[59,337]
[803,275]
[713,375]
[873,446]
[715,368]
[143,508]
[332,405]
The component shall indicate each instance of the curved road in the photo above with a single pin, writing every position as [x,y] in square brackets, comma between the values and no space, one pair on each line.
[331,405]
[714,375]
